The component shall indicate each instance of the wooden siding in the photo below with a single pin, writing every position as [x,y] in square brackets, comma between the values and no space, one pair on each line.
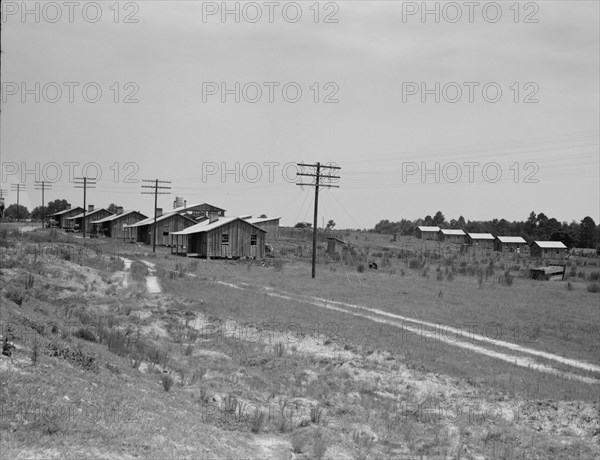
[272,229]
[547,253]
[91,218]
[62,219]
[174,223]
[208,244]
[114,228]
[512,247]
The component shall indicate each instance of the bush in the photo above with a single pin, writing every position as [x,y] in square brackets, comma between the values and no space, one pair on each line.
[167,382]
[16,295]
[594,276]
[593,287]
[299,441]
[258,421]
[320,445]
[85,334]
[360,268]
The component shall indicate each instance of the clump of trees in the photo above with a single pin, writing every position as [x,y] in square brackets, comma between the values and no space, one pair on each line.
[585,234]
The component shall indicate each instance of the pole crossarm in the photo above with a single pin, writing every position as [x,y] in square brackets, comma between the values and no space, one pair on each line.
[156,192]
[317,184]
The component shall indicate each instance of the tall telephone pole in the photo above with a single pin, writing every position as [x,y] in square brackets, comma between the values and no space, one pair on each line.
[18,188]
[317,184]
[84,183]
[43,186]
[2,193]
[156,192]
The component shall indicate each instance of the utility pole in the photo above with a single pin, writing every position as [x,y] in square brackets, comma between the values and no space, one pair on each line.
[84,183]
[2,193]
[317,184]
[156,187]
[18,188]
[43,186]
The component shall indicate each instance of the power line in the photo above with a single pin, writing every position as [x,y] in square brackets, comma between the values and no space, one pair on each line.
[317,184]
[156,192]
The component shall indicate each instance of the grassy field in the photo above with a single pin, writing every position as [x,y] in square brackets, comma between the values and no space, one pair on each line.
[235,359]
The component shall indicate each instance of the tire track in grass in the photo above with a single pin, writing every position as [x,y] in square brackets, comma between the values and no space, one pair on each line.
[380,316]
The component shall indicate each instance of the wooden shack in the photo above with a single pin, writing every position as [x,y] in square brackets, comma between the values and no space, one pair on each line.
[334,244]
[225,237]
[143,231]
[118,225]
[61,218]
[268,224]
[480,241]
[199,211]
[425,232]
[548,249]
[84,220]
[452,236]
[509,244]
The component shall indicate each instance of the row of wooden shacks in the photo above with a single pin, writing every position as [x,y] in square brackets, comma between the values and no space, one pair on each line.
[197,230]
[489,242]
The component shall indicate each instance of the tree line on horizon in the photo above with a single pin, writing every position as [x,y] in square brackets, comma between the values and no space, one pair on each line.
[583,234]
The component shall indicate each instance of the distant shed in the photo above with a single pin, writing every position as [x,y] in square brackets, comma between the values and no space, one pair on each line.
[511,244]
[425,232]
[481,241]
[334,243]
[452,236]
[548,249]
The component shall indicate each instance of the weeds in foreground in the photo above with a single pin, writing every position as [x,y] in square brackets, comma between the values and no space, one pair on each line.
[320,444]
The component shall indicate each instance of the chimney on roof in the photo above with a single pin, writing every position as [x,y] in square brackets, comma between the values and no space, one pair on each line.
[213,216]
[158,212]
[119,209]
[90,207]
[68,206]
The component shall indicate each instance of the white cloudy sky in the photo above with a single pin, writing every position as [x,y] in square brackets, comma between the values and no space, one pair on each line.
[371,132]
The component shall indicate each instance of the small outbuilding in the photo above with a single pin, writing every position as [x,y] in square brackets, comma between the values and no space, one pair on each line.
[511,244]
[83,221]
[333,244]
[480,241]
[61,218]
[548,249]
[268,224]
[117,225]
[225,237]
[452,236]
[143,231]
[425,232]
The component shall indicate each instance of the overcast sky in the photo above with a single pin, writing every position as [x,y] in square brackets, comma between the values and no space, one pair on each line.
[541,133]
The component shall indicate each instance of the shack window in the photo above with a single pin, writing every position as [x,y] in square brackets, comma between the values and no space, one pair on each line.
[253,240]
[224,238]
[166,230]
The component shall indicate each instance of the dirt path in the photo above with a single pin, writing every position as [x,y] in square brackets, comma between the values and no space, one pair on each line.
[152,283]
[399,321]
